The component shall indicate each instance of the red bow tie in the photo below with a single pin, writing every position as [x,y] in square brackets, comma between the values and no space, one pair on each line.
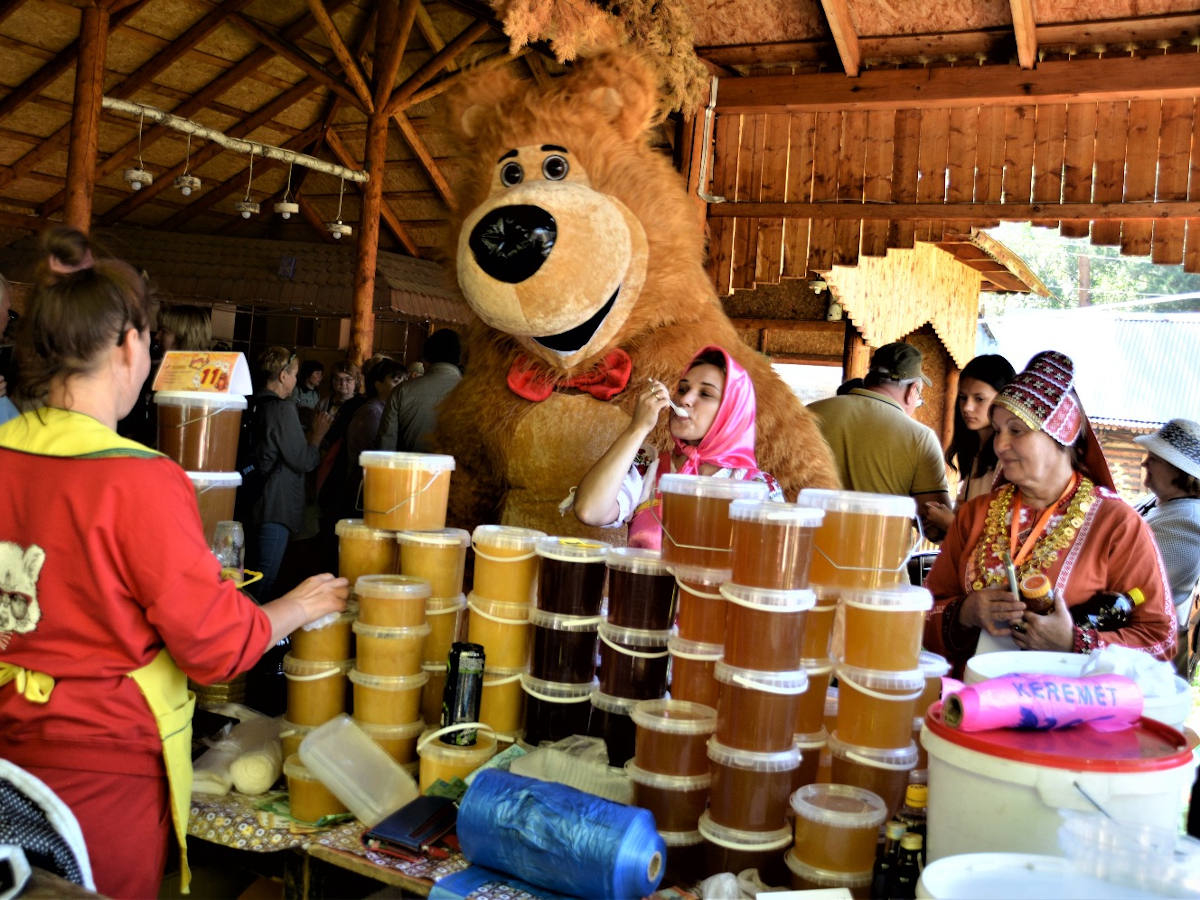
[603,381]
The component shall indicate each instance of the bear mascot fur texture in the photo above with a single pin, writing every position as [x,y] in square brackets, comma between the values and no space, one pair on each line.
[575,241]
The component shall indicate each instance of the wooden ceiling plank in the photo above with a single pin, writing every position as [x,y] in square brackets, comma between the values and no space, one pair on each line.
[847,235]
[1017,180]
[425,158]
[825,171]
[350,68]
[296,56]
[1110,78]
[989,155]
[9,7]
[1050,135]
[1174,151]
[1141,169]
[433,37]
[877,176]
[837,14]
[1114,211]
[436,63]
[801,137]
[1108,186]
[727,139]
[961,150]
[904,173]
[1079,155]
[749,181]
[769,255]
[931,167]
[1025,31]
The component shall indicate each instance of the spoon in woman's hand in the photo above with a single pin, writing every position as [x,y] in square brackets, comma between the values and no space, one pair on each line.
[675,407]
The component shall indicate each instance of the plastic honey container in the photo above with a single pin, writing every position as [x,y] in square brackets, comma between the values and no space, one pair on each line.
[837,826]
[389,651]
[329,643]
[641,592]
[696,527]
[447,620]
[571,575]
[363,550]
[290,736]
[554,711]
[564,647]
[431,693]
[502,627]
[387,699]
[398,741]
[810,878]
[672,738]
[506,566]
[216,493]
[701,604]
[772,543]
[818,625]
[750,790]
[875,708]
[502,702]
[405,491]
[736,849]
[811,747]
[440,557]
[392,601]
[633,663]
[883,627]
[685,856]
[446,762]
[935,668]
[309,799]
[864,539]
[883,772]
[764,628]
[316,690]
[757,710]
[810,707]
[676,800]
[612,719]
[199,430]
[693,670]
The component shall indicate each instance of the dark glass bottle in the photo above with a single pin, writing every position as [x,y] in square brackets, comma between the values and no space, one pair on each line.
[1107,610]
[914,812]
[908,868]
[887,859]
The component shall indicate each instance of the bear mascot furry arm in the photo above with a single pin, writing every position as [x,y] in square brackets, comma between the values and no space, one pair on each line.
[581,254]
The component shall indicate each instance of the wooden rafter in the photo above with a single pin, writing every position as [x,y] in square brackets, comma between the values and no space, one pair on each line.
[430,32]
[388,57]
[313,218]
[1025,31]
[844,36]
[435,64]
[444,84]
[1112,79]
[295,56]
[1005,212]
[350,68]
[8,7]
[425,158]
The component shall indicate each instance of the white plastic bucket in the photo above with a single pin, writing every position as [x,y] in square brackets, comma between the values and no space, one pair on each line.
[1001,791]
[1001,876]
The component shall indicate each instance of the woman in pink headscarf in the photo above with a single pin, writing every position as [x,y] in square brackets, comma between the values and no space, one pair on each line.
[715,437]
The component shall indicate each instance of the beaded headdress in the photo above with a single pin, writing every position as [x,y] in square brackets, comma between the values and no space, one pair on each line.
[1043,397]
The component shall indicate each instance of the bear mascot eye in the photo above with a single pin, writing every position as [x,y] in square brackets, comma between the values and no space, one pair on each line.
[511,174]
[555,168]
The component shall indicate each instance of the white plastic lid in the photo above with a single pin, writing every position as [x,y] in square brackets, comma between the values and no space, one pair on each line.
[681,838]
[794,682]
[755,761]
[681,783]
[540,618]
[697,650]
[210,480]
[638,560]
[816,666]
[839,806]
[893,598]
[700,577]
[383,459]
[768,599]
[357,528]
[737,839]
[441,537]
[709,486]
[392,732]
[675,717]
[634,637]
[392,632]
[858,502]
[811,741]
[435,606]
[558,691]
[199,398]
[392,587]
[389,682]
[621,706]
[432,667]
[510,610]
[769,512]
[879,680]
[826,878]
[509,537]
[899,758]
[302,667]
[932,665]
[570,549]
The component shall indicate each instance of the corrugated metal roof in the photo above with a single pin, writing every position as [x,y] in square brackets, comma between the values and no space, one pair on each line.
[1132,369]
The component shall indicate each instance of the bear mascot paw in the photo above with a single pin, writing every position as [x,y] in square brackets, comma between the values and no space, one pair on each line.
[581,253]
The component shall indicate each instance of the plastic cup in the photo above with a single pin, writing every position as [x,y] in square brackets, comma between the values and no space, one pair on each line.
[200,430]
[571,575]
[502,702]
[756,709]
[440,557]
[772,543]
[554,711]
[502,627]
[693,671]
[389,651]
[864,539]
[811,747]
[505,565]
[883,627]
[675,800]
[837,826]
[564,647]
[672,737]
[397,741]
[764,628]
[750,790]
[633,663]
[316,690]
[701,605]
[387,699]
[363,550]
[641,592]
[612,719]
[447,620]
[391,601]
[405,491]
[330,643]
[735,849]
[883,772]
[216,494]
[810,707]
[308,798]
[685,856]
[875,708]
[696,529]
[446,762]
[290,736]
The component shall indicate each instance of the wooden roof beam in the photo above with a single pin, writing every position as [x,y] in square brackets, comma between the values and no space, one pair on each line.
[350,68]
[1133,210]
[844,35]
[8,7]
[425,158]
[389,49]
[442,85]
[313,218]
[339,149]
[435,64]
[429,31]
[1025,30]
[1112,78]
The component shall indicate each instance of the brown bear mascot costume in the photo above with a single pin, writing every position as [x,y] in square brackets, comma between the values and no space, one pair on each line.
[580,251]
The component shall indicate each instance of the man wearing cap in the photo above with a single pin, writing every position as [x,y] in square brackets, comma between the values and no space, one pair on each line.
[876,443]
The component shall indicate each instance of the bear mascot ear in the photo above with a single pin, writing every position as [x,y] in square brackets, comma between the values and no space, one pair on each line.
[469,108]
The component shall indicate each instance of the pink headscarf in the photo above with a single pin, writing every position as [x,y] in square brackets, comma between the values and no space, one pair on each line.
[730,439]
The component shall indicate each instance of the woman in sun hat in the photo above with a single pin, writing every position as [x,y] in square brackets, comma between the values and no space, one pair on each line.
[1054,513]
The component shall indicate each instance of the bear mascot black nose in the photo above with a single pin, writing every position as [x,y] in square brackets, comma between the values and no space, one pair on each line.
[510,243]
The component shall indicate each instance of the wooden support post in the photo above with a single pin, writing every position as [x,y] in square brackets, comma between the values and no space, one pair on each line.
[949,405]
[856,355]
[85,120]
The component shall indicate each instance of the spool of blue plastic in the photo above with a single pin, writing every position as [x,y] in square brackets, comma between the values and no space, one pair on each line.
[560,838]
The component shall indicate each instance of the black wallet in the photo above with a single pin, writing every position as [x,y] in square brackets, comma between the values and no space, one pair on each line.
[414,827]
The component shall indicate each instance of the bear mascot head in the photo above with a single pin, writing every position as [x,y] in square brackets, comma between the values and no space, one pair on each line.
[582,255]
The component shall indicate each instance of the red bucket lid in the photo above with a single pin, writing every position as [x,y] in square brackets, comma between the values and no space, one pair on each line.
[1147,746]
